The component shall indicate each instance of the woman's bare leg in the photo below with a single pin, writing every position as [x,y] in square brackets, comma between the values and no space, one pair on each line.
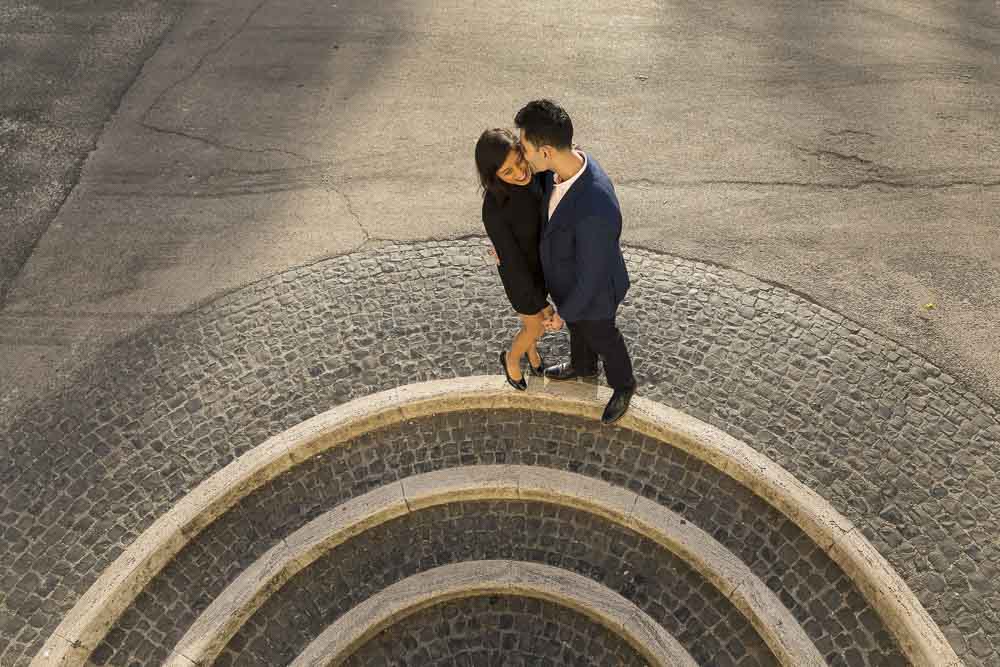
[534,358]
[524,341]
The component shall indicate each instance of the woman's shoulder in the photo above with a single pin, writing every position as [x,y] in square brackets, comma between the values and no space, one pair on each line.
[518,199]
[530,193]
[529,203]
[495,210]
[491,202]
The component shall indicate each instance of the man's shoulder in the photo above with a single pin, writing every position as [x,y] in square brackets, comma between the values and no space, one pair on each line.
[596,170]
[600,192]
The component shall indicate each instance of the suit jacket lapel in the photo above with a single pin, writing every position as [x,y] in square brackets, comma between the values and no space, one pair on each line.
[564,210]
[547,187]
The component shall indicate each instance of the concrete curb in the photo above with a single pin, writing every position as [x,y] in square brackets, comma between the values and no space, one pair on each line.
[920,639]
[210,633]
[494,577]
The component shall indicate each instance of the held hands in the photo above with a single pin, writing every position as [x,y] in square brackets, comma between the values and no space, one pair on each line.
[553,322]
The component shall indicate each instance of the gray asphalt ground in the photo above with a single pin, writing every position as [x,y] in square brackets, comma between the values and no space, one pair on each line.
[63,69]
[849,150]
[155,155]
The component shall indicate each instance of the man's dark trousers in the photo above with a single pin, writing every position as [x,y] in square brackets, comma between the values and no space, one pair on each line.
[590,338]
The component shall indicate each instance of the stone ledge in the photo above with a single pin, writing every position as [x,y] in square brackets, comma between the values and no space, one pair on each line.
[88,621]
[220,621]
[497,577]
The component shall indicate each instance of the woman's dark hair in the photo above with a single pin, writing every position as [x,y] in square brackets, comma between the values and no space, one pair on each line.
[491,151]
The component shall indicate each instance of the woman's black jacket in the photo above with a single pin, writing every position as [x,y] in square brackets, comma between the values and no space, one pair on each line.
[514,227]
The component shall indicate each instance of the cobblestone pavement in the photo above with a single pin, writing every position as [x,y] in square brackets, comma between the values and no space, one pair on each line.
[497,632]
[893,442]
[685,604]
[821,597]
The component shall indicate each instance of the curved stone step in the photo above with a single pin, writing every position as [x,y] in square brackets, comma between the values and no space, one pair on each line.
[220,621]
[818,593]
[508,630]
[84,626]
[476,578]
[687,605]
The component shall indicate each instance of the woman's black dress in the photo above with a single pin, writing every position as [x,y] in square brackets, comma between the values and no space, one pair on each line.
[514,227]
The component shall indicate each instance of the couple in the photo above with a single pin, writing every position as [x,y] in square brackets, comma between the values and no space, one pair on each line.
[554,221]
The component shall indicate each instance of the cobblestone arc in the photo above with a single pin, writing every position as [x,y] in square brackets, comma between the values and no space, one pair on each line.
[809,584]
[504,578]
[893,442]
[508,631]
[674,596]
[779,629]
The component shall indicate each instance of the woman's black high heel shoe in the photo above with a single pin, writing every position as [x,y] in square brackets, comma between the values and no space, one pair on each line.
[539,370]
[520,385]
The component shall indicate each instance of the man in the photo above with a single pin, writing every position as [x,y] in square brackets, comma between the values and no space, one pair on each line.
[581,252]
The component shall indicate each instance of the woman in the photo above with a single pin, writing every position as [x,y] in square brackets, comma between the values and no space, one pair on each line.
[512,217]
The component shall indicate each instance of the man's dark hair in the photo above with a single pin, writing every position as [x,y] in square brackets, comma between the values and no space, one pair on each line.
[545,123]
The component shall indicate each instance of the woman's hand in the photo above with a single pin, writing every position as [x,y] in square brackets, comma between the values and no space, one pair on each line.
[554,323]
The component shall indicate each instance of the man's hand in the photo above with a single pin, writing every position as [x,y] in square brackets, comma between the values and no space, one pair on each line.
[493,253]
[554,323]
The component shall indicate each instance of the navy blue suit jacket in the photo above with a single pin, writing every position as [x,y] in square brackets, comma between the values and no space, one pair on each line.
[581,249]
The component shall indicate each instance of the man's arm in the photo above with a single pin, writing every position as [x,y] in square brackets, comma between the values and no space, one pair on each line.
[596,240]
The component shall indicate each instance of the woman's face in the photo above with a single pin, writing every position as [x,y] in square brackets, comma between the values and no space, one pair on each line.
[514,170]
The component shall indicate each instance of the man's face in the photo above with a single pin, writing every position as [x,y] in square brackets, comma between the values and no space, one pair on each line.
[536,157]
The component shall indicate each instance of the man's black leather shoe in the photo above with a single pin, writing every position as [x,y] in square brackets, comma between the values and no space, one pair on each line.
[565,371]
[617,406]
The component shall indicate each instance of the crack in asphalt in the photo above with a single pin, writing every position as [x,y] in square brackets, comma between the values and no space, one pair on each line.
[899,185]
[201,61]
[223,146]
[835,154]
[144,122]
[850,133]
[354,215]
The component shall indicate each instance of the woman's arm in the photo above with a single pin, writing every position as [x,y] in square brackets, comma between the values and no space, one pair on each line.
[513,263]
[501,233]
